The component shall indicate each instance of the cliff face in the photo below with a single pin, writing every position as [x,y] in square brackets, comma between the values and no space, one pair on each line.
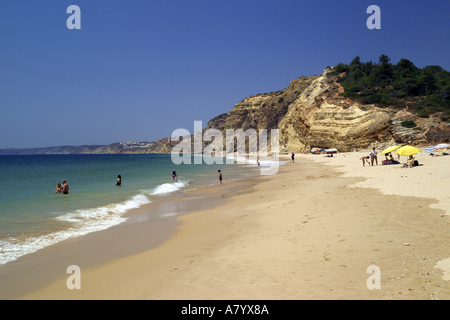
[319,117]
[311,113]
[266,111]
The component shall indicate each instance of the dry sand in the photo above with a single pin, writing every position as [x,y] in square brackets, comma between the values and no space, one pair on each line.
[309,232]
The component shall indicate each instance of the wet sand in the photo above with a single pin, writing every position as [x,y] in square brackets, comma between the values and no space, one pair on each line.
[309,232]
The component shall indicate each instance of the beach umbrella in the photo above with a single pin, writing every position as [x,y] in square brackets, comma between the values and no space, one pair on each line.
[390,149]
[407,151]
[442,146]
[430,149]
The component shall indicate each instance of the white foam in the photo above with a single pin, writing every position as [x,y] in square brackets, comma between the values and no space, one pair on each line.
[83,222]
[166,188]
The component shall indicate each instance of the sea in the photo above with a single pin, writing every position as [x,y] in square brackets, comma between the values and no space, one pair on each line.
[33,216]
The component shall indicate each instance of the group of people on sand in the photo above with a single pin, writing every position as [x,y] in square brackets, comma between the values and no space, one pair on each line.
[62,188]
[372,156]
[389,159]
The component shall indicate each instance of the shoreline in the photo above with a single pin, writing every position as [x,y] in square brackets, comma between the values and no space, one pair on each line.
[304,233]
[37,221]
[145,228]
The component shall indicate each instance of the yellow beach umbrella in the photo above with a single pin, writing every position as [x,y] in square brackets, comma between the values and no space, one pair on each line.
[390,149]
[407,151]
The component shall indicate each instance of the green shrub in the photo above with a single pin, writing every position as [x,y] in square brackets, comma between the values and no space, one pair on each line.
[409,124]
[424,113]
[426,91]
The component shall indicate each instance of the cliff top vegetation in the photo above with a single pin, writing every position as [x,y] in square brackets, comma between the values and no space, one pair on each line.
[423,91]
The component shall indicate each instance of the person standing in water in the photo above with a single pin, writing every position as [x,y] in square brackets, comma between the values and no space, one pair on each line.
[220,176]
[65,189]
[58,188]
[174,176]
[119,181]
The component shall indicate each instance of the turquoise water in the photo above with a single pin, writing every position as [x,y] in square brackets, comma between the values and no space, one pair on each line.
[33,216]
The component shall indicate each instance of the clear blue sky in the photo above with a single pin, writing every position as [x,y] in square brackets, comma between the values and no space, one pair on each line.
[139,69]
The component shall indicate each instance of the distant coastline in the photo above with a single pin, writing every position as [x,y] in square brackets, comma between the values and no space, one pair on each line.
[113,148]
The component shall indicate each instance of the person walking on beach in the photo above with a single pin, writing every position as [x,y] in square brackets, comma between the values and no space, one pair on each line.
[292,157]
[119,181]
[65,186]
[220,176]
[373,156]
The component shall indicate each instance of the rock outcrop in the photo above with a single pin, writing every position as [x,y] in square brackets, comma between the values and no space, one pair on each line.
[310,112]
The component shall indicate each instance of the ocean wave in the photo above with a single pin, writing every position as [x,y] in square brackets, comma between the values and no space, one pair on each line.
[82,221]
[167,188]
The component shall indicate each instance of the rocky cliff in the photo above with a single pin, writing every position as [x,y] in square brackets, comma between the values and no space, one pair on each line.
[310,112]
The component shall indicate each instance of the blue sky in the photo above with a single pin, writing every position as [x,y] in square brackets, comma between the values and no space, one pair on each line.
[139,69]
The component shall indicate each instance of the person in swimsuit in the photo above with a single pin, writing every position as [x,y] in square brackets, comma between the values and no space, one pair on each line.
[364,159]
[119,181]
[174,176]
[373,156]
[65,186]
[409,163]
[220,176]
[58,188]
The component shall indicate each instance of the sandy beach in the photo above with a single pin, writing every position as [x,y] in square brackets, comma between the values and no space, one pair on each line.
[309,232]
